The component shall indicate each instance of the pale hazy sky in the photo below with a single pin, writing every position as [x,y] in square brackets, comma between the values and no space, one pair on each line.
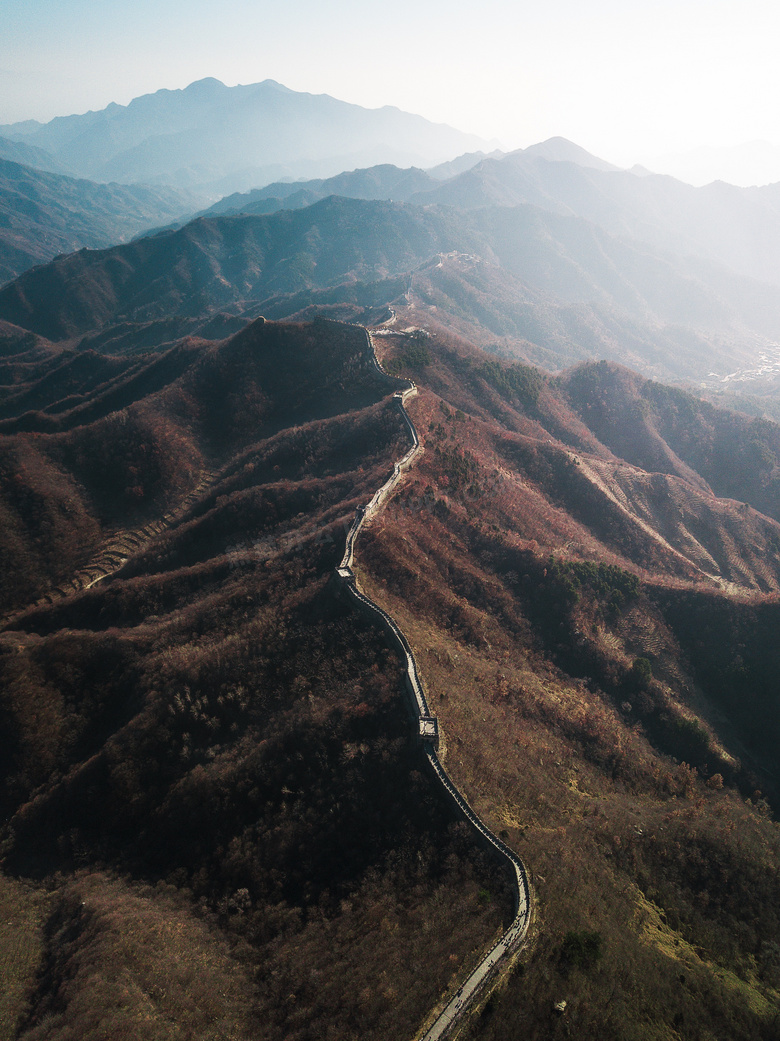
[626,80]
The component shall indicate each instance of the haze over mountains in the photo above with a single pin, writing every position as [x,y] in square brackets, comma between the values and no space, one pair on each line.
[216,819]
[752,163]
[170,135]
[736,227]
[218,139]
[27,155]
[44,214]
[553,288]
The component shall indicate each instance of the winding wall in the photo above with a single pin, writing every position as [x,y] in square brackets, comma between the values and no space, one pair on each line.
[512,938]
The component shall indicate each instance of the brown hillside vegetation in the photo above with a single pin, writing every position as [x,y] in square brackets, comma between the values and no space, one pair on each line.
[210,746]
[222,746]
[131,961]
[593,638]
[131,447]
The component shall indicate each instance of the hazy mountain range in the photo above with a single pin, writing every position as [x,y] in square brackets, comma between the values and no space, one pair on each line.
[556,288]
[220,139]
[43,214]
[751,163]
[216,820]
[258,134]
[736,227]
[16,151]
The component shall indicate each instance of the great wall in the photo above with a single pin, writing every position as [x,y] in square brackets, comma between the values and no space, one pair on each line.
[446,1018]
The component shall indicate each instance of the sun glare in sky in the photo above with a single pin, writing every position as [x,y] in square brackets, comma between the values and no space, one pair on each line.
[629,81]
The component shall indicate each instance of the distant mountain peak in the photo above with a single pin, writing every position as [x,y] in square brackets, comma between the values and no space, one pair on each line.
[275,85]
[641,171]
[207,83]
[561,150]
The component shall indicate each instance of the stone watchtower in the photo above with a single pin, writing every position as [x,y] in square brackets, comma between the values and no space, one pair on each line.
[429,730]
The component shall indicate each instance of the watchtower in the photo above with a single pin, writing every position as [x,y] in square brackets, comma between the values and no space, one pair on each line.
[429,730]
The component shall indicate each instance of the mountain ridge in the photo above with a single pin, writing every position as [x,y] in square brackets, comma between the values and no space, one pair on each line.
[736,227]
[222,729]
[221,139]
[216,818]
[44,214]
[539,267]
[732,226]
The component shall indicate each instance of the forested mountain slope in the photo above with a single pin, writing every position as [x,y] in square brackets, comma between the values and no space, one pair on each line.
[596,640]
[208,743]
[213,725]
[559,282]
[45,214]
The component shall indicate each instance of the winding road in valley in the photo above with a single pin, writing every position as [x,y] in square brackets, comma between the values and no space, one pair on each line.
[448,1017]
